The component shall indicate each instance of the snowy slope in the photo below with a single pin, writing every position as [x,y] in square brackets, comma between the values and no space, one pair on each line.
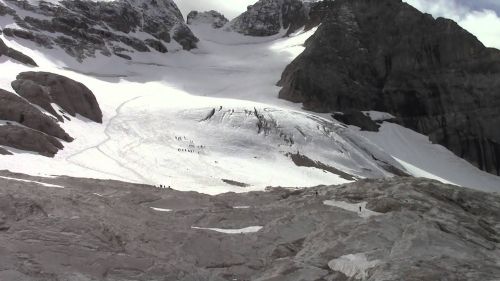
[421,158]
[210,120]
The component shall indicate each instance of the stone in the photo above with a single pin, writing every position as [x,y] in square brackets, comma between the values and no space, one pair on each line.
[25,138]
[70,95]
[64,228]
[35,94]
[17,109]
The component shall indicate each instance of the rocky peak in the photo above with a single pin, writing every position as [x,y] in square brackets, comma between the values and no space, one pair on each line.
[213,18]
[84,28]
[269,17]
[385,55]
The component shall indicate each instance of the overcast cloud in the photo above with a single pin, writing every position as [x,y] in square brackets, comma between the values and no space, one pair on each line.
[230,8]
[480,17]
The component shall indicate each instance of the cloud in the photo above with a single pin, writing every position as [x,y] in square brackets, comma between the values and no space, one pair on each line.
[230,8]
[479,17]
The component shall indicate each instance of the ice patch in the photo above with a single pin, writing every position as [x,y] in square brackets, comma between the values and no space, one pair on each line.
[37,182]
[378,116]
[353,265]
[250,229]
[364,213]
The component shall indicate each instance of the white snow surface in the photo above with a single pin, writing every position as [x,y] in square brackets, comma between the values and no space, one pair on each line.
[191,119]
[353,265]
[422,158]
[351,207]
[250,229]
[161,209]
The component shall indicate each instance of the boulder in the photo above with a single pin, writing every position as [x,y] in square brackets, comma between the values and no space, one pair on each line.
[16,109]
[35,94]
[431,74]
[25,138]
[72,96]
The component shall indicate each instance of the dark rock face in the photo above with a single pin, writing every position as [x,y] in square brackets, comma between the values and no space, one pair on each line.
[357,118]
[16,109]
[107,230]
[213,18]
[28,139]
[435,77]
[268,17]
[16,55]
[35,94]
[156,45]
[4,151]
[43,88]
[85,28]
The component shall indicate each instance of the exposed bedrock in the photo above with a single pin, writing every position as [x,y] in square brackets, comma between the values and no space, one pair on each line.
[15,55]
[86,28]
[28,139]
[43,88]
[212,18]
[434,76]
[408,229]
[16,109]
[269,17]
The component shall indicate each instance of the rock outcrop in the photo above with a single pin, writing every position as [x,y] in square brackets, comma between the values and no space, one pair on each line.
[16,109]
[434,76]
[4,151]
[87,28]
[43,88]
[15,55]
[269,17]
[212,18]
[407,229]
[357,118]
[25,138]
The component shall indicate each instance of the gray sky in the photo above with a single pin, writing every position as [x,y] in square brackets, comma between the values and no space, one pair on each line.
[230,8]
[480,17]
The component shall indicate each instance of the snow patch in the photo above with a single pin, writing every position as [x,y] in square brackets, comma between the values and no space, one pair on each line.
[30,181]
[421,158]
[250,229]
[353,265]
[161,209]
[378,116]
[364,213]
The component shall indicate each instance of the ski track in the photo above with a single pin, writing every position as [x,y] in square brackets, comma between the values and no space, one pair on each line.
[108,138]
